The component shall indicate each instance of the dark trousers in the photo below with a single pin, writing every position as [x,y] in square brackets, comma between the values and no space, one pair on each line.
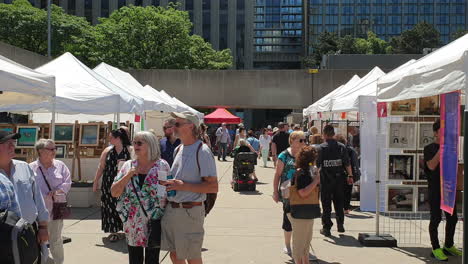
[348,190]
[436,218]
[332,192]
[222,150]
[135,255]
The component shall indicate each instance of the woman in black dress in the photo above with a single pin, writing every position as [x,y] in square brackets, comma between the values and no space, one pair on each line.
[111,158]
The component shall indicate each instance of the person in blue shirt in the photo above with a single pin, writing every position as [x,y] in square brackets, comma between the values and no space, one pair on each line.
[169,142]
[253,141]
[8,199]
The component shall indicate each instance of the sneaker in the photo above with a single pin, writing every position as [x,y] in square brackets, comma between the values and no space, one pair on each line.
[287,251]
[439,254]
[325,232]
[312,257]
[341,229]
[453,251]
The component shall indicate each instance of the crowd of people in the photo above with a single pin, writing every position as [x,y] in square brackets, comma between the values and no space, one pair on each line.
[156,193]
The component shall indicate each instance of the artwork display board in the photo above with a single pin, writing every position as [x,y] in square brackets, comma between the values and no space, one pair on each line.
[400,198]
[401,166]
[89,135]
[403,108]
[64,133]
[28,136]
[402,135]
[429,106]
[61,152]
[426,135]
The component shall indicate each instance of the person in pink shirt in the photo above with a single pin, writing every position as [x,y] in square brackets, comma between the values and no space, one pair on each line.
[53,178]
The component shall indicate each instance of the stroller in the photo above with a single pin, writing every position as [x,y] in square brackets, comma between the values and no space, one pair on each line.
[244,165]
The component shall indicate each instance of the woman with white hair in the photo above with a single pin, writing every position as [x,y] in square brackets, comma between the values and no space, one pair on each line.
[141,198]
[53,178]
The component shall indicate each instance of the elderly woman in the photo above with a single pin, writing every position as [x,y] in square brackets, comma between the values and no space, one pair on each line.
[285,169]
[53,178]
[141,198]
[119,151]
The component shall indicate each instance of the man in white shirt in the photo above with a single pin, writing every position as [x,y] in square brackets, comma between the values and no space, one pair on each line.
[223,139]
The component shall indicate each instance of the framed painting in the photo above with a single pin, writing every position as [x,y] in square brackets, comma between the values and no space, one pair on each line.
[429,106]
[402,135]
[64,133]
[400,167]
[423,199]
[61,151]
[28,136]
[403,108]
[420,170]
[400,198]
[426,135]
[7,129]
[89,135]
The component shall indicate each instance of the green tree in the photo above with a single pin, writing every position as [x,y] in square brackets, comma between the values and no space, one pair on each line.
[413,41]
[27,27]
[149,38]
[347,44]
[327,44]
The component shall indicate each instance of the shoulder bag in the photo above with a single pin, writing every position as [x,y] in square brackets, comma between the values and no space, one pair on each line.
[60,210]
[303,208]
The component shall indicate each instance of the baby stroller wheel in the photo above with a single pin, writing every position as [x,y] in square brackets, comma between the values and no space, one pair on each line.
[235,186]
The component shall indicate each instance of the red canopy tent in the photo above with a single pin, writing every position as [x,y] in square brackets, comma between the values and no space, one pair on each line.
[221,115]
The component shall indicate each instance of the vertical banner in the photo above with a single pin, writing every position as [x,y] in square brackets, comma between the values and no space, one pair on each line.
[449,133]
[382,109]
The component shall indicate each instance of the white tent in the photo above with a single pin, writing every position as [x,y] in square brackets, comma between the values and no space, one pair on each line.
[173,105]
[126,81]
[200,115]
[324,104]
[81,90]
[21,84]
[348,100]
[441,71]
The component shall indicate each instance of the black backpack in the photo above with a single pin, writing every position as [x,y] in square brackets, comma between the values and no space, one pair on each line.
[18,240]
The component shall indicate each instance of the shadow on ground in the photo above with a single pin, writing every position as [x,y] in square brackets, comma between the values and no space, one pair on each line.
[344,241]
[85,213]
[424,254]
[119,246]
[250,193]
[314,262]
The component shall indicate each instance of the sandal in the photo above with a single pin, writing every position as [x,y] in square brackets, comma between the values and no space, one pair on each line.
[113,238]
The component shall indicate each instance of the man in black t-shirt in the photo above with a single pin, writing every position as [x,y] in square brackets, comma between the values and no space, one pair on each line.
[432,170]
[332,161]
[280,141]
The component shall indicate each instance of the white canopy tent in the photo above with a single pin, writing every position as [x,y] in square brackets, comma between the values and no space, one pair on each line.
[200,115]
[441,71]
[81,90]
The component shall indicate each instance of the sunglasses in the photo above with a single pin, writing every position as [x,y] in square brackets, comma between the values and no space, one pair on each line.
[167,127]
[138,143]
[302,140]
[177,124]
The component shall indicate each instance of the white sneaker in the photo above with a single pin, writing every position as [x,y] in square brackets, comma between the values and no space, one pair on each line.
[287,251]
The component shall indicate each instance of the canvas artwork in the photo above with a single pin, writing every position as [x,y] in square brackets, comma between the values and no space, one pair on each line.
[421,174]
[423,199]
[7,129]
[401,167]
[404,107]
[429,106]
[426,135]
[64,133]
[400,199]
[28,136]
[61,151]
[89,135]
[402,135]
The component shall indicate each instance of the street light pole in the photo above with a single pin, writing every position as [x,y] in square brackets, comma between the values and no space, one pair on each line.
[49,33]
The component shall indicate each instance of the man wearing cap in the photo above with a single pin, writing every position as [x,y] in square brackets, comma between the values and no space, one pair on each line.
[169,142]
[194,172]
[29,196]
[223,138]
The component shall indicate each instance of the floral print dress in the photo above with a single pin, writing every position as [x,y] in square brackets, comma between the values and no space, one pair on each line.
[152,196]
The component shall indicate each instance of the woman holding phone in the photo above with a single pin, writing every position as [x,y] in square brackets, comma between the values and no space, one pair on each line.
[118,152]
[141,198]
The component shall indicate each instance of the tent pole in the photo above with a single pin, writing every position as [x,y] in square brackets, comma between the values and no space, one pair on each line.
[465,167]
[52,126]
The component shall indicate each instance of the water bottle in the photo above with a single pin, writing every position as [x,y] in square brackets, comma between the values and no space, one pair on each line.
[173,192]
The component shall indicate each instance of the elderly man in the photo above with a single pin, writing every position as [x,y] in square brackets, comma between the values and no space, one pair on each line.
[194,172]
[30,199]
[169,142]
[223,139]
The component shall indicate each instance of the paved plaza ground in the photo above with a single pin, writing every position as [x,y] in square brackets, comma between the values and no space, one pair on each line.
[244,228]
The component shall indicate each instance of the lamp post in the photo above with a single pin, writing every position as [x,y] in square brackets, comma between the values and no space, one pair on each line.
[49,33]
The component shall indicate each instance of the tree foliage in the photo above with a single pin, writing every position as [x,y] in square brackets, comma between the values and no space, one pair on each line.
[413,41]
[132,37]
[27,27]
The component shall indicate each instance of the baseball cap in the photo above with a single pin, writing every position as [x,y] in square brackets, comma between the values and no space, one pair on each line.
[275,129]
[5,136]
[187,115]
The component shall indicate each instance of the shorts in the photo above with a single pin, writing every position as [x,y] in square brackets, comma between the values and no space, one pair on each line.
[182,231]
[286,223]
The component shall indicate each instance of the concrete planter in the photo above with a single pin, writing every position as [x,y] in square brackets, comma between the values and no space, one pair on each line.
[82,195]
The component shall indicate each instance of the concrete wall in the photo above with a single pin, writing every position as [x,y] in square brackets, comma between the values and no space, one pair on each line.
[363,61]
[22,56]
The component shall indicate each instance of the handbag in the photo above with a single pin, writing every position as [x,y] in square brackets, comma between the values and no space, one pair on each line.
[154,225]
[60,210]
[304,208]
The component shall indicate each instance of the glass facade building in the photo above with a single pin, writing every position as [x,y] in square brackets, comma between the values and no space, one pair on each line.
[386,18]
[278,33]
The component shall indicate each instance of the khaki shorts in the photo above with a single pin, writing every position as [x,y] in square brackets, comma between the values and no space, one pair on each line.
[182,231]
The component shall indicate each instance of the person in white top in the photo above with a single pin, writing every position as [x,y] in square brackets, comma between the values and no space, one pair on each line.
[265,141]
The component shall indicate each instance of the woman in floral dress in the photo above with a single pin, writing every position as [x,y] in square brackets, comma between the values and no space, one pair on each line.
[143,175]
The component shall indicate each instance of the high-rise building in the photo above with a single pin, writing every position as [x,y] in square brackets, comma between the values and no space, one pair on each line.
[278,34]
[386,18]
[223,23]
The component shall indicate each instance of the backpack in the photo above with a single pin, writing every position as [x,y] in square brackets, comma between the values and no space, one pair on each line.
[18,240]
[210,197]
